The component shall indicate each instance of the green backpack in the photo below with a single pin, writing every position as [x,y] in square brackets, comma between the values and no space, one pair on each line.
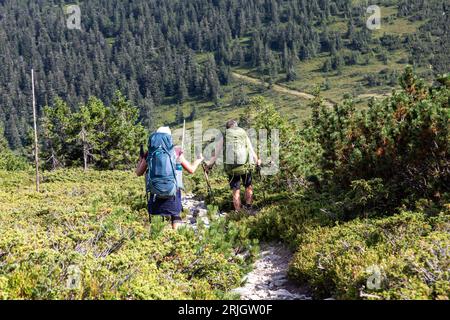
[237,152]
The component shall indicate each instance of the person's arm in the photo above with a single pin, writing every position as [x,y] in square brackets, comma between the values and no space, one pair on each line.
[191,168]
[253,153]
[142,166]
[217,152]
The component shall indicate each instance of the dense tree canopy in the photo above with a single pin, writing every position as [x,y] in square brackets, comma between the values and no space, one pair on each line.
[154,49]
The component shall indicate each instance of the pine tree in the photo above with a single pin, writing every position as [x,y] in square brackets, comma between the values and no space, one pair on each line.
[291,74]
[91,125]
[3,142]
[224,74]
[193,114]
[12,131]
[56,130]
[179,115]
[327,66]
[147,113]
[124,134]
[240,97]
[182,92]
[212,80]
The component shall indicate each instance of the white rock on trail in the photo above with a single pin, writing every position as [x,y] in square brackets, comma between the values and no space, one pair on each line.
[197,210]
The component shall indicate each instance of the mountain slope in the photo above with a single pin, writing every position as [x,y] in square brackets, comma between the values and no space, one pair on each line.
[164,53]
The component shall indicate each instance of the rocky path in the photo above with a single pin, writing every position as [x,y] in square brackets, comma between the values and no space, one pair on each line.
[268,280]
[197,210]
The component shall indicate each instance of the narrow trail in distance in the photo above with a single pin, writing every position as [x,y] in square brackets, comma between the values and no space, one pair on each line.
[299,94]
[278,88]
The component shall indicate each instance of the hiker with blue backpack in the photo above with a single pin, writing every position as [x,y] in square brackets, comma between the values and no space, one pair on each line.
[163,165]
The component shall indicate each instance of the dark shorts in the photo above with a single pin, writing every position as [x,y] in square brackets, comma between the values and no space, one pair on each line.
[166,207]
[235,181]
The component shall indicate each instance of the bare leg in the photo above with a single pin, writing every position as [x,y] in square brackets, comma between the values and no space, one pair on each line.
[176,225]
[249,196]
[237,199]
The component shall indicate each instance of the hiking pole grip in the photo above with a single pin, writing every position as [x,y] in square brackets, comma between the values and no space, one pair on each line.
[204,166]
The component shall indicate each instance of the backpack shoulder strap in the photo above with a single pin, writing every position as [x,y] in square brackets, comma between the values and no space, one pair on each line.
[169,153]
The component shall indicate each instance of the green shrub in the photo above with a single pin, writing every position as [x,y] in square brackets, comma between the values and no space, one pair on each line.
[410,250]
[90,228]
[288,220]
[403,141]
[8,160]
[298,156]
[12,162]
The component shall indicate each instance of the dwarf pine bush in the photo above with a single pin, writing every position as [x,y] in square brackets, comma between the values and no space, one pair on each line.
[87,236]
[410,250]
[376,198]
[403,142]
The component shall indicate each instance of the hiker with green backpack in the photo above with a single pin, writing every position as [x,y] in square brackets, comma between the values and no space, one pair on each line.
[239,163]
[163,165]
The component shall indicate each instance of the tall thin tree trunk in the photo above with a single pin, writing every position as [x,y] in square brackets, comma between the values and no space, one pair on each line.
[85,148]
[36,146]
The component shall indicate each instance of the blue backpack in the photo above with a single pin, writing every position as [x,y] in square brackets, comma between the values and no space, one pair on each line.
[161,160]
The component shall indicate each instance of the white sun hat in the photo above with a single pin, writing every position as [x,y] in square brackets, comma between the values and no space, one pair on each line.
[165,130]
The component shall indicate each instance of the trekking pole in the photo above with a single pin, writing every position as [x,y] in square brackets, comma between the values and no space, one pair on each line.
[210,192]
[261,180]
[184,134]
